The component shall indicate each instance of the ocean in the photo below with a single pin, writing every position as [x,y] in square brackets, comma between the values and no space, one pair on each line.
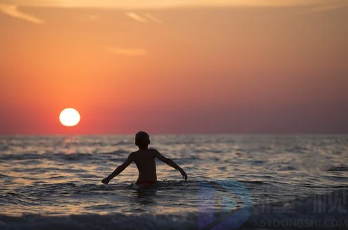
[276,181]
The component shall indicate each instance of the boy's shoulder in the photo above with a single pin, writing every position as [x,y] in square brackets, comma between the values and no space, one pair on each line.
[150,150]
[154,151]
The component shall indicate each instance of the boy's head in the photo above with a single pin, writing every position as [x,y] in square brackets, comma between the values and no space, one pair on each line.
[142,139]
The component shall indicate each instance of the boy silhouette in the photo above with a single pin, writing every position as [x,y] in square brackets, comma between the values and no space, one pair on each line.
[144,158]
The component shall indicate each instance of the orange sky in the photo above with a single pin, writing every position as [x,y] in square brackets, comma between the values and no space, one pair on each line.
[175,66]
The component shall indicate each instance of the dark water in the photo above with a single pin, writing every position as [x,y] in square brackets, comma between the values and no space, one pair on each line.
[54,181]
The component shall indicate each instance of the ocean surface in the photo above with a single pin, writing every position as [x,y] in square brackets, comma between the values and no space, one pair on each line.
[292,181]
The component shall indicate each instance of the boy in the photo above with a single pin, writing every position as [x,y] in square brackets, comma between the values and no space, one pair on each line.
[144,158]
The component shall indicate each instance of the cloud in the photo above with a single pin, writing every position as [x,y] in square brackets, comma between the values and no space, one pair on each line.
[12,10]
[127,52]
[137,17]
[147,17]
[164,4]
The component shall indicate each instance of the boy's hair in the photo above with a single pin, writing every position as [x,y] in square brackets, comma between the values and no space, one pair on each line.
[142,138]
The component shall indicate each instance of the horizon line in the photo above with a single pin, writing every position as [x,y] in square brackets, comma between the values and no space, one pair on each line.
[179,134]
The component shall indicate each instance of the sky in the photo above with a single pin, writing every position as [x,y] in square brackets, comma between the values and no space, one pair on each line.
[174,66]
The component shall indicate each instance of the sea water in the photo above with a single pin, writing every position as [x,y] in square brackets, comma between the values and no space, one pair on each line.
[53,182]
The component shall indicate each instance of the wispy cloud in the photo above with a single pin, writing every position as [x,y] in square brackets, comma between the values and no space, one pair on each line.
[145,18]
[137,17]
[13,11]
[155,4]
[127,52]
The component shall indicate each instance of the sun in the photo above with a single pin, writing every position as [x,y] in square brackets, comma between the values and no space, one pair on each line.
[69,117]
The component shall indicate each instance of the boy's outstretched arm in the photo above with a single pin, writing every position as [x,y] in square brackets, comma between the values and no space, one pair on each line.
[119,169]
[171,163]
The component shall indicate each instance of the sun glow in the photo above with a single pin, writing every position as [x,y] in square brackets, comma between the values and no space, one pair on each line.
[69,117]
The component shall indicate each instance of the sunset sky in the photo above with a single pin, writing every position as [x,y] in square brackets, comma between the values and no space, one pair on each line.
[174,66]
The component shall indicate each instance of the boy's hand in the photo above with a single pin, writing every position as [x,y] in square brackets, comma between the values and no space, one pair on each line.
[105,181]
[183,173]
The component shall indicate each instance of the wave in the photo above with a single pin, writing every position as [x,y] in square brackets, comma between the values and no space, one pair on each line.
[73,156]
[22,156]
[101,222]
[3,175]
[324,211]
[341,168]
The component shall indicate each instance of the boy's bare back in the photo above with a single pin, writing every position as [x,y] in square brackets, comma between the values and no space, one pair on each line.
[144,158]
[145,161]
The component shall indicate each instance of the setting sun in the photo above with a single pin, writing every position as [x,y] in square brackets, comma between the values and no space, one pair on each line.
[69,117]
